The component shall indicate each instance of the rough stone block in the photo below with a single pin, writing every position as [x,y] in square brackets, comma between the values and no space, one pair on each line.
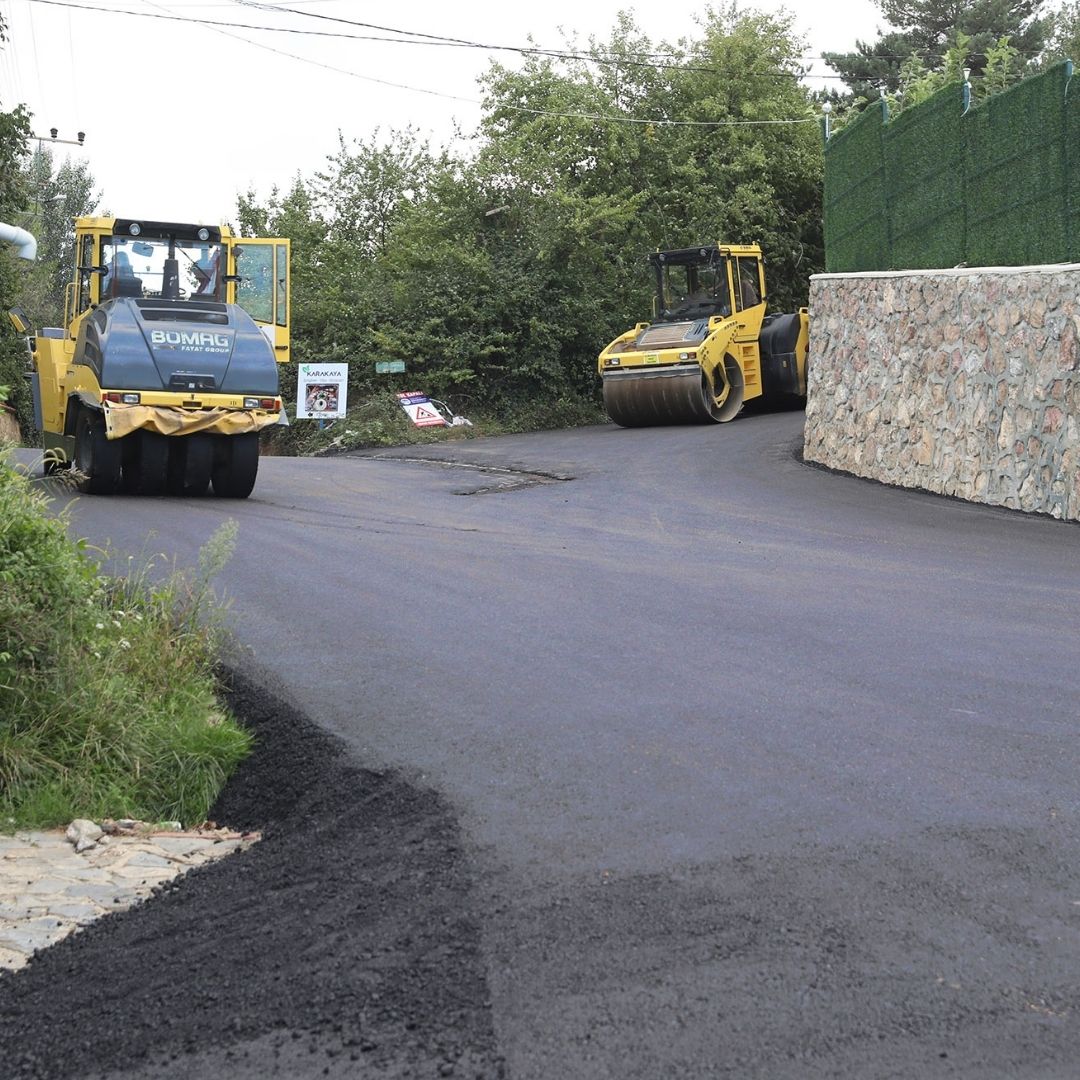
[972,384]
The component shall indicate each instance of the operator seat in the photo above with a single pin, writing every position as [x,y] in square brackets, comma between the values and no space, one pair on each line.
[122,280]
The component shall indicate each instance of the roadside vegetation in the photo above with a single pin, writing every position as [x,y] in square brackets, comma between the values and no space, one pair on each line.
[380,421]
[107,689]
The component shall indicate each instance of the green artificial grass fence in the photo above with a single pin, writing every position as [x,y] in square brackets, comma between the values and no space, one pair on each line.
[936,187]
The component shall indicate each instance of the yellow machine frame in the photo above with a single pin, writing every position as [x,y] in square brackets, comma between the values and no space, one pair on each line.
[63,384]
[729,357]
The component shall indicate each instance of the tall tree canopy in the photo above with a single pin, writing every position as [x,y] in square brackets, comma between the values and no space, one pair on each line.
[927,29]
[56,195]
[14,135]
[1064,39]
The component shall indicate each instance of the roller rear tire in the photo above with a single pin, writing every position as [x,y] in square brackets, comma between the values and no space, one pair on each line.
[145,463]
[236,464]
[191,461]
[97,459]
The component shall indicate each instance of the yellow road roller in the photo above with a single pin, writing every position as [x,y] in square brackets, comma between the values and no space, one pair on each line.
[710,348]
[166,367]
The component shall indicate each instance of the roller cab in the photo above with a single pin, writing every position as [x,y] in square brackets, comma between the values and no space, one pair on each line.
[710,347]
[167,366]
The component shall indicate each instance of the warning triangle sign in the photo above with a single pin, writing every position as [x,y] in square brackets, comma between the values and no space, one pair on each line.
[424,414]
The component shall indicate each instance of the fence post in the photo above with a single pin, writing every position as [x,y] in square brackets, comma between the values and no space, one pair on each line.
[1072,254]
[886,189]
[963,169]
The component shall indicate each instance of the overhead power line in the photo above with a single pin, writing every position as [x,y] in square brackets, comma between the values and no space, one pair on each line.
[224,29]
[411,37]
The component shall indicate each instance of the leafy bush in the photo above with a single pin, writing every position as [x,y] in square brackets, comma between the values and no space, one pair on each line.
[107,705]
[380,421]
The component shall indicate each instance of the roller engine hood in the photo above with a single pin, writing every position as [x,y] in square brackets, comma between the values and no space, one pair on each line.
[184,346]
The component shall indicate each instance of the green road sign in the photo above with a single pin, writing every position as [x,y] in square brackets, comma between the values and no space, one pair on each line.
[389,367]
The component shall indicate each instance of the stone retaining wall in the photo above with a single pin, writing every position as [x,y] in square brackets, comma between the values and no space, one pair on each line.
[964,382]
[9,426]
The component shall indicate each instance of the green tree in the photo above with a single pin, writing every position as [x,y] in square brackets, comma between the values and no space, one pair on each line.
[1064,38]
[14,135]
[929,29]
[934,24]
[340,221]
[741,170]
[57,195]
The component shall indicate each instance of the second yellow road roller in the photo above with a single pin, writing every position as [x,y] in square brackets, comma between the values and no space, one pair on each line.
[710,347]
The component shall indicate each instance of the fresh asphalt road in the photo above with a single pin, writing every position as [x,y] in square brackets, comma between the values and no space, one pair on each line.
[766,771]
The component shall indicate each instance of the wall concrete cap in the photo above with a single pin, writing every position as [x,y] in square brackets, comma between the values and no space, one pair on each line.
[954,271]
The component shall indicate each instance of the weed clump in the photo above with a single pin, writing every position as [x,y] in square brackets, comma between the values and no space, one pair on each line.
[107,690]
[379,421]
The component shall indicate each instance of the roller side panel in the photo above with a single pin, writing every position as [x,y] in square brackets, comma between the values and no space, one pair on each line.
[779,361]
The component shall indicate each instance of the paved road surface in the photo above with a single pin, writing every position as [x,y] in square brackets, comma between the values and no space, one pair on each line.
[763,771]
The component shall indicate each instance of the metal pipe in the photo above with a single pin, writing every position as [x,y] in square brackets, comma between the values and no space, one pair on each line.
[23,240]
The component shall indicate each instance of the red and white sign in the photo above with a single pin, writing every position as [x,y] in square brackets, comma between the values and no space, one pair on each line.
[420,409]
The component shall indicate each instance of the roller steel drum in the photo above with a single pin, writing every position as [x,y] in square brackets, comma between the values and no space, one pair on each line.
[670,395]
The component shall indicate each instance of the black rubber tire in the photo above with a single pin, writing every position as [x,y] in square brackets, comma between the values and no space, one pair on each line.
[146,462]
[236,464]
[191,461]
[736,387]
[97,459]
[128,476]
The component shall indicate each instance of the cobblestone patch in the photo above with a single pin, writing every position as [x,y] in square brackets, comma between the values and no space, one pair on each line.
[48,889]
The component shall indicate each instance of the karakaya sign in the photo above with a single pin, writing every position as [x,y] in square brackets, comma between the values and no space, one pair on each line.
[321,390]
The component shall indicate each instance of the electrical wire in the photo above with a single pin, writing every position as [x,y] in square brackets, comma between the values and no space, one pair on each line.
[71,52]
[420,38]
[216,27]
[261,5]
[655,122]
[597,117]
[33,45]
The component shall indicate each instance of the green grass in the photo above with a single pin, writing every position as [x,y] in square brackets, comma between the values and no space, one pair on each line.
[379,420]
[107,689]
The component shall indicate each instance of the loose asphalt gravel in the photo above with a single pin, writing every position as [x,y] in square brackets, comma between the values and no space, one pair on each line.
[345,943]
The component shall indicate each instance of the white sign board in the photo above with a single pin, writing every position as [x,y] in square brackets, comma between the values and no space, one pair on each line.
[321,390]
[420,410]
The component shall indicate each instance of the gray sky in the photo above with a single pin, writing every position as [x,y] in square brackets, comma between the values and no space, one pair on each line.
[180,118]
